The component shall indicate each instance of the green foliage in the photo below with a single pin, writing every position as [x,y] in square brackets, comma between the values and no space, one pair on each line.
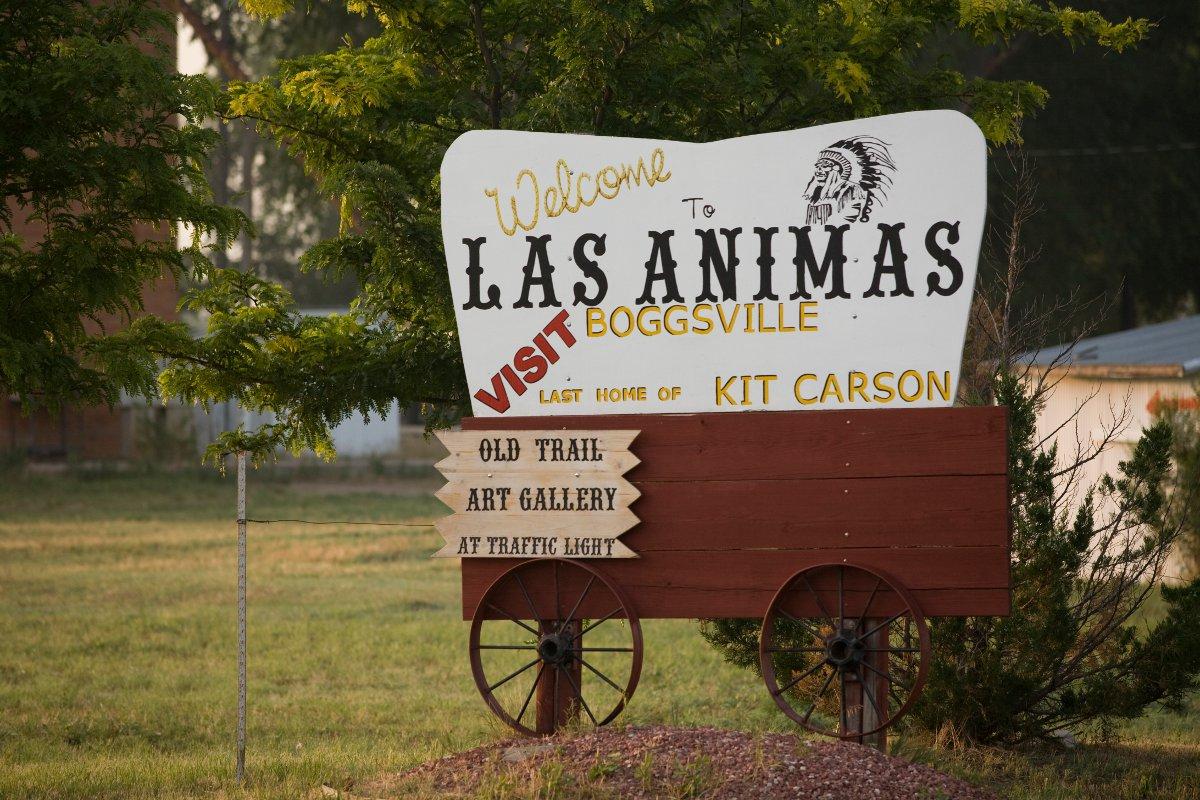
[371,121]
[100,157]
[1070,653]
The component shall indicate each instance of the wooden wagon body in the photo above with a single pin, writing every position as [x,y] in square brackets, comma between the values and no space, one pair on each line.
[732,505]
[841,530]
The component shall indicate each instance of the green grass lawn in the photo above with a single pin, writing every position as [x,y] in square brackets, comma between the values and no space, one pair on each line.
[117,652]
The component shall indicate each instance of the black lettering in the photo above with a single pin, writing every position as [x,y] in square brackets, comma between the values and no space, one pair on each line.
[889,240]
[589,268]
[474,273]
[660,252]
[713,261]
[944,259]
[539,258]
[766,262]
[832,263]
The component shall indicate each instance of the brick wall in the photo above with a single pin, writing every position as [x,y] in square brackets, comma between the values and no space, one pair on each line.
[94,433]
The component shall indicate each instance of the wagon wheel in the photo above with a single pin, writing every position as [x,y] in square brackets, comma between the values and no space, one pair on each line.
[844,650]
[529,656]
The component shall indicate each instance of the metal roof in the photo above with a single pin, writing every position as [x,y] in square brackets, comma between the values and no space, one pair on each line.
[1169,349]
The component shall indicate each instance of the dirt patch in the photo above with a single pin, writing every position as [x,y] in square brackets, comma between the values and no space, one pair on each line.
[661,762]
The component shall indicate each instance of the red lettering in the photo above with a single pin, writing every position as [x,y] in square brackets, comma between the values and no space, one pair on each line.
[498,401]
[543,344]
[516,383]
[559,325]
[531,365]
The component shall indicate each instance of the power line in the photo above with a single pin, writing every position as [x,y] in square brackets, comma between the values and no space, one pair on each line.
[1113,150]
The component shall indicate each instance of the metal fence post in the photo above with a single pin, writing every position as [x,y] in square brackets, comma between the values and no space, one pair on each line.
[241,614]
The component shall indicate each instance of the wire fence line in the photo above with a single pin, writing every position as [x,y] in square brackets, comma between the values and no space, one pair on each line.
[341,522]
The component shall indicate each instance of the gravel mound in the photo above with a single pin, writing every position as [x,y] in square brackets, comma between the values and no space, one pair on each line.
[654,762]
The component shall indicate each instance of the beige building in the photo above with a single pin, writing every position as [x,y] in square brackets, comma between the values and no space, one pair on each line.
[1108,388]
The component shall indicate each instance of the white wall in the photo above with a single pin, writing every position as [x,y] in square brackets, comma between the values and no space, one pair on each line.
[1102,401]
[378,436]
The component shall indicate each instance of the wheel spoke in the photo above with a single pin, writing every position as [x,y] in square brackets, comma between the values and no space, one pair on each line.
[578,694]
[602,650]
[885,623]
[841,598]
[579,602]
[887,677]
[891,649]
[532,689]
[511,618]
[820,694]
[605,618]
[508,678]
[803,675]
[863,616]
[506,647]
[796,650]
[528,601]
[816,597]
[602,676]
[803,622]
[879,715]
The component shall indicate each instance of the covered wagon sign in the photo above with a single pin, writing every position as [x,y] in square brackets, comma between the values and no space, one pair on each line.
[825,268]
[614,298]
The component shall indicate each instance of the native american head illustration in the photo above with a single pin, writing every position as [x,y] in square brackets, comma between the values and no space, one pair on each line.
[850,178]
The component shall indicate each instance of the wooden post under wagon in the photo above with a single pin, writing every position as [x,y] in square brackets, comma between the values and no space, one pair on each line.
[555,702]
[862,714]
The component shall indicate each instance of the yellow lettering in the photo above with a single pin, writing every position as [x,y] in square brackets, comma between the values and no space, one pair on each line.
[608,177]
[723,395]
[858,385]
[612,322]
[512,201]
[832,387]
[800,398]
[943,386]
[595,322]
[908,397]
[765,380]
[607,183]
[656,322]
[678,324]
[807,314]
[728,324]
[762,327]
[782,327]
[889,394]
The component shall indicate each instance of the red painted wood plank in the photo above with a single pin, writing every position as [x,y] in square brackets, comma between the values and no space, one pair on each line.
[803,444]
[656,602]
[866,512]
[717,584]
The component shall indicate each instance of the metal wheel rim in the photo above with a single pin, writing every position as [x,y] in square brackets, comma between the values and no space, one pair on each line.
[625,610]
[767,664]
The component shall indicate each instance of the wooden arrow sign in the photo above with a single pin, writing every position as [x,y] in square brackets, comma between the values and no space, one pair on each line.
[529,494]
